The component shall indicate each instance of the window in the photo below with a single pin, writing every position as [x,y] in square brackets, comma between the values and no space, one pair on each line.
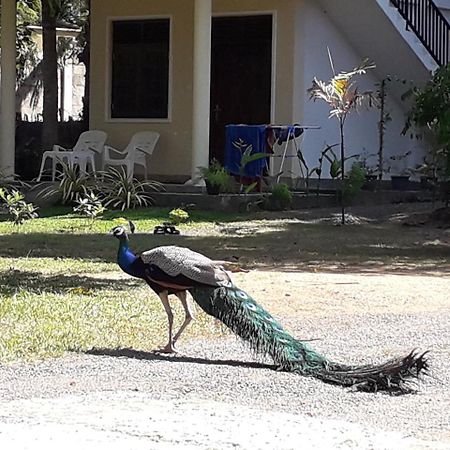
[140,69]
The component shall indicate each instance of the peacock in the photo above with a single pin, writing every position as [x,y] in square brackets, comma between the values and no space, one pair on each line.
[178,270]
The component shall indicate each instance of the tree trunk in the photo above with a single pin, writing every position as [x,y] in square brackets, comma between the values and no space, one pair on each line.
[50,76]
[341,130]
[381,127]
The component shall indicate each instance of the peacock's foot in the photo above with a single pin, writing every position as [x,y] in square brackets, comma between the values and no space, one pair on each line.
[169,348]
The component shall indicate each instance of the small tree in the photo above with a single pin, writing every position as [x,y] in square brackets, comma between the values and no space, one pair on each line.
[431,110]
[19,210]
[89,206]
[343,96]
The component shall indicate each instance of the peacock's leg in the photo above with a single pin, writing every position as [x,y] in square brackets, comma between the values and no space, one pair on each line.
[164,296]
[182,295]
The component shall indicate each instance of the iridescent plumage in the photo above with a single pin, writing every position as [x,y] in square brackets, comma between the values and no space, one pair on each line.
[177,269]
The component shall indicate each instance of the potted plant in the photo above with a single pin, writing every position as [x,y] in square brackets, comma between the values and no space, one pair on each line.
[370,168]
[428,173]
[353,182]
[217,179]
[401,173]
[400,182]
[280,198]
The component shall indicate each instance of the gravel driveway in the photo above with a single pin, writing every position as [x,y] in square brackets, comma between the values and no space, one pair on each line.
[216,395]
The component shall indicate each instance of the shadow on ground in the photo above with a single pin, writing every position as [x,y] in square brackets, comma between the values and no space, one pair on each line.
[158,356]
[12,281]
[285,246]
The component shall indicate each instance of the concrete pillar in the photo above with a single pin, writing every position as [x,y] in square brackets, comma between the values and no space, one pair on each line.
[8,86]
[201,87]
[67,97]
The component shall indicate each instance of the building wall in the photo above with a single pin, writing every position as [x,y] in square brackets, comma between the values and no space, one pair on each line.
[444,6]
[173,154]
[314,33]
[301,36]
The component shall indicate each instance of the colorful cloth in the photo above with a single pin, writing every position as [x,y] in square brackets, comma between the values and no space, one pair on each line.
[240,138]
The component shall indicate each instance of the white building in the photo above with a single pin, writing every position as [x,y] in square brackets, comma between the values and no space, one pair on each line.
[186,68]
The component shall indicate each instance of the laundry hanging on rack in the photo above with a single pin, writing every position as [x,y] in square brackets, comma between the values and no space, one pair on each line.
[257,139]
[283,133]
[242,138]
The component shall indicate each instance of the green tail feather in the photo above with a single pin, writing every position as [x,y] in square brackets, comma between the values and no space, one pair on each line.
[239,312]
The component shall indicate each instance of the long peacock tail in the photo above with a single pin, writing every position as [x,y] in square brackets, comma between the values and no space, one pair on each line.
[239,312]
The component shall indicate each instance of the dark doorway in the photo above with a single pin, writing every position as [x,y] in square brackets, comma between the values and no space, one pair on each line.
[241,74]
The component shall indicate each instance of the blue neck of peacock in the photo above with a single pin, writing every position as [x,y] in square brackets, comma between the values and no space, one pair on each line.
[126,258]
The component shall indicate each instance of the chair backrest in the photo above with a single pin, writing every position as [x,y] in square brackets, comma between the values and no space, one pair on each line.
[144,141]
[91,140]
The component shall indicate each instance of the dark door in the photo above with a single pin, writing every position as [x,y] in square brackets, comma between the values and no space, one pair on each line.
[241,73]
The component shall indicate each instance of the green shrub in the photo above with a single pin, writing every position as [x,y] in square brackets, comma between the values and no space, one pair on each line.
[90,206]
[17,207]
[178,216]
[280,198]
[216,176]
[353,182]
[430,112]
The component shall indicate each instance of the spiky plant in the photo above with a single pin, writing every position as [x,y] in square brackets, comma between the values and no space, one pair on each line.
[123,192]
[342,96]
[73,184]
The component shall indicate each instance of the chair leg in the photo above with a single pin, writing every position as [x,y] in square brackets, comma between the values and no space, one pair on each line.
[54,162]
[65,160]
[41,171]
[92,161]
[82,164]
[130,170]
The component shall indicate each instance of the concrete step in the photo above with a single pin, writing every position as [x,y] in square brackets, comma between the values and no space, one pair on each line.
[179,195]
[243,203]
[184,188]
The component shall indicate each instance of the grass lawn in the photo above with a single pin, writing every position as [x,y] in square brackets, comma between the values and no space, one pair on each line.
[61,289]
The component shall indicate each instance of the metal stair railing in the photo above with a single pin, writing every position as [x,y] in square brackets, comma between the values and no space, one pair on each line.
[429,24]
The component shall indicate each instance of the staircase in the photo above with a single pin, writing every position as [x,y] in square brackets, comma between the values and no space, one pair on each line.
[430,26]
[408,39]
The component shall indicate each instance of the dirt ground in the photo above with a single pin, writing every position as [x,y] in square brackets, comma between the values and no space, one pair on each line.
[358,293]
[395,238]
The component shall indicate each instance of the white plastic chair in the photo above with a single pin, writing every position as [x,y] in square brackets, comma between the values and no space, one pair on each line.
[140,146]
[83,153]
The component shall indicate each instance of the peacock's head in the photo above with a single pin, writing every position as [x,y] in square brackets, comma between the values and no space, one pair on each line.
[119,232]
